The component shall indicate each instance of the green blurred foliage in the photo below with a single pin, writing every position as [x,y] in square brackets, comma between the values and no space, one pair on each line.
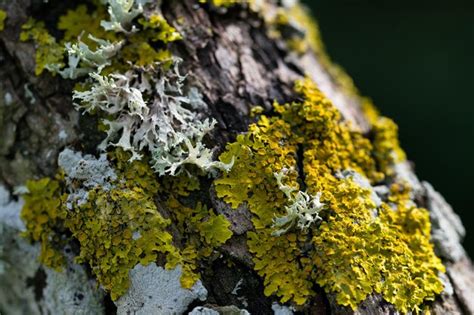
[415,59]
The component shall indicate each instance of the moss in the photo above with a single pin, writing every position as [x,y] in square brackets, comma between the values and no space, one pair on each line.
[3,17]
[360,247]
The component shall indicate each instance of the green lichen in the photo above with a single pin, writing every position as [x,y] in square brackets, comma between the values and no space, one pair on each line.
[360,247]
[3,17]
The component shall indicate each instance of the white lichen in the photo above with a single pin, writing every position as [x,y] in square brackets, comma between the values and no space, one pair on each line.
[71,292]
[302,209]
[82,60]
[282,309]
[8,99]
[67,292]
[150,110]
[201,310]
[122,13]
[219,310]
[10,210]
[154,290]
[87,170]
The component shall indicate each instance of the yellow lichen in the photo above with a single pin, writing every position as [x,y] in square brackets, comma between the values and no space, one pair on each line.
[119,227]
[223,3]
[49,54]
[3,17]
[360,248]
[159,29]
[203,231]
[43,215]
[80,23]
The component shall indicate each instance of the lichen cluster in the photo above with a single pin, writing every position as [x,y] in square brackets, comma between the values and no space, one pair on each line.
[130,79]
[43,218]
[118,224]
[361,245]
[306,175]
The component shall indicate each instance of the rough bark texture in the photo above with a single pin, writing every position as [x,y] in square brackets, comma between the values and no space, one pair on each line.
[235,64]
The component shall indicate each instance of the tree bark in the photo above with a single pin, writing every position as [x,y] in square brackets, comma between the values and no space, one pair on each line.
[230,57]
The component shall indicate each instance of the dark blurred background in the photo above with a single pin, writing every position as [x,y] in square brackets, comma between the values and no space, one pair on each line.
[415,59]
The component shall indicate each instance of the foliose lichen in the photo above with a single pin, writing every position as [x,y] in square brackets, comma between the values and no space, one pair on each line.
[137,89]
[70,291]
[302,209]
[360,246]
[319,223]
[108,206]
[149,110]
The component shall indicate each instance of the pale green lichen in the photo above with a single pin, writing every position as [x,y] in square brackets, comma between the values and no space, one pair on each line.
[82,60]
[145,110]
[122,13]
[361,246]
[163,124]
[302,209]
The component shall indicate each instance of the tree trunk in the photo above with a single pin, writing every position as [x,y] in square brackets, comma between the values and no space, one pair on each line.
[237,56]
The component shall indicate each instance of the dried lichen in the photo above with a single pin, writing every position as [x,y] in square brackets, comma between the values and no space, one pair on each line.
[362,245]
